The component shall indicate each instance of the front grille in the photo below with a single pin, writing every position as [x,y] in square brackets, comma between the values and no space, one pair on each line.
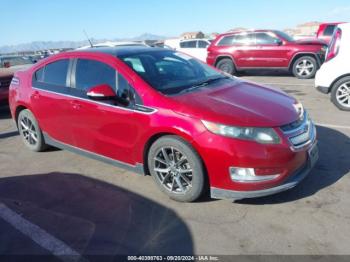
[300,133]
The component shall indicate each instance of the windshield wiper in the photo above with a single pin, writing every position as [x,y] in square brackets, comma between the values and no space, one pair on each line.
[203,84]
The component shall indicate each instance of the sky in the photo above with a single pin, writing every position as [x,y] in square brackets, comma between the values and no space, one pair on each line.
[24,21]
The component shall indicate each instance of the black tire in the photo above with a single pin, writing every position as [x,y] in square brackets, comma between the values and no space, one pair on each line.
[336,90]
[307,72]
[226,65]
[30,131]
[174,145]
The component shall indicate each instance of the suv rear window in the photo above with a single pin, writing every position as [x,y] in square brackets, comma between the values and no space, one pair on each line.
[329,30]
[188,44]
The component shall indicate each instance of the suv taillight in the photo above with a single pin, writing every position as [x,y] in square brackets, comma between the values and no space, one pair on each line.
[333,48]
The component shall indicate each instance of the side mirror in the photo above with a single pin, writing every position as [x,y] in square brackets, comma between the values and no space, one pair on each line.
[278,41]
[7,64]
[101,92]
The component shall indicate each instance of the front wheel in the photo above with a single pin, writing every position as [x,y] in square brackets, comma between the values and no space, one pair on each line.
[226,65]
[305,67]
[176,168]
[340,95]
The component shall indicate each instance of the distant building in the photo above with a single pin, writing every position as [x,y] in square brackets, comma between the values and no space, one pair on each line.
[237,29]
[192,35]
[308,29]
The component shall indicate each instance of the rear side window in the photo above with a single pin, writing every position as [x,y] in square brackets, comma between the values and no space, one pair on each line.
[188,44]
[329,30]
[202,44]
[90,73]
[265,39]
[237,39]
[226,41]
[54,73]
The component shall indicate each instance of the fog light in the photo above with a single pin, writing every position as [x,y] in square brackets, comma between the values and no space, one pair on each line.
[239,174]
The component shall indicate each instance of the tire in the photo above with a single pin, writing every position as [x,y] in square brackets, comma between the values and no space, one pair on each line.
[226,65]
[340,94]
[192,182]
[305,67]
[30,131]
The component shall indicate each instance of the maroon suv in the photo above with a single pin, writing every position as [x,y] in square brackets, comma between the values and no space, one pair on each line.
[268,49]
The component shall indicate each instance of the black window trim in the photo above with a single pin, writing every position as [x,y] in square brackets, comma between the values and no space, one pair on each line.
[50,86]
[139,102]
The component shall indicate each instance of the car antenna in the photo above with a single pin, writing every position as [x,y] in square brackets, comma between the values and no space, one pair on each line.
[88,38]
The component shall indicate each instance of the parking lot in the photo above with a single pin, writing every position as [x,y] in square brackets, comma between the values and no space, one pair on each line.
[61,203]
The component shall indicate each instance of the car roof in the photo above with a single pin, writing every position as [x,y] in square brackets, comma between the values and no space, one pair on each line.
[247,31]
[122,50]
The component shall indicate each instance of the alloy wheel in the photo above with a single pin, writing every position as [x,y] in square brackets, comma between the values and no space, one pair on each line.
[343,95]
[28,131]
[173,170]
[305,68]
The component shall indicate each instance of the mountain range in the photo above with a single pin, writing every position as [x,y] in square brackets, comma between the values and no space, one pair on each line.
[44,45]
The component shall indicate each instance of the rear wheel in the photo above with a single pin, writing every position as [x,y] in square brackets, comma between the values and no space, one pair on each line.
[30,131]
[305,67]
[176,168]
[340,95]
[226,65]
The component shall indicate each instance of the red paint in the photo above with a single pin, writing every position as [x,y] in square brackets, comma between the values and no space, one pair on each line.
[263,55]
[123,134]
[321,31]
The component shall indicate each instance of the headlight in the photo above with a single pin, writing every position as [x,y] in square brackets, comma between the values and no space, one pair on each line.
[260,135]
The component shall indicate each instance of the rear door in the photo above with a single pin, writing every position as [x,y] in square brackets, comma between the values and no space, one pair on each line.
[50,100]
[244,49]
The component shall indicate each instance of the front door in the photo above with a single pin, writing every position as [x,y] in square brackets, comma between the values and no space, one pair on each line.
[271,51]
[106,128]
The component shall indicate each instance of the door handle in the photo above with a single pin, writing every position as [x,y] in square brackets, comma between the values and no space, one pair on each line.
[75,104]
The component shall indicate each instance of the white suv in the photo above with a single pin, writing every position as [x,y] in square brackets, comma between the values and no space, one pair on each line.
[195,47]
[334,75]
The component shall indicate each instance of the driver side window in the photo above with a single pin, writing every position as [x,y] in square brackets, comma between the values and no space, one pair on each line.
[91,73]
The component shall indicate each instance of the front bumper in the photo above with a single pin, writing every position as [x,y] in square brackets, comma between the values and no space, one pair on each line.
[323,89]
[290,182]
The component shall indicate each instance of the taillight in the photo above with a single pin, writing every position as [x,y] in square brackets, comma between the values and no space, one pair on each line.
[333,48]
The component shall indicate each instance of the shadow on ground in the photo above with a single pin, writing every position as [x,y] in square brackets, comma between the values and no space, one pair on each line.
[91,217]
[5,112]
[333,164]
[267,73]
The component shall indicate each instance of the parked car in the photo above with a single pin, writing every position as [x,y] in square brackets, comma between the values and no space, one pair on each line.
[326,30]
[161,112]
[8,66]
[334,75]
[113,44]
[267,49]
[195,47]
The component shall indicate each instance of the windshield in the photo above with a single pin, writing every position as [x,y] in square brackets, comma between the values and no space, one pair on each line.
[171,72]
[285,36]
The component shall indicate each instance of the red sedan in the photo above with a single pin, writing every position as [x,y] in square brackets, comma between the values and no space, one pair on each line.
[160,112]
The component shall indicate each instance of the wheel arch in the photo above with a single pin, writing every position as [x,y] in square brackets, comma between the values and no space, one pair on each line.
[157,136]
[18,109]
[298,55]
[223,56]
[338,79]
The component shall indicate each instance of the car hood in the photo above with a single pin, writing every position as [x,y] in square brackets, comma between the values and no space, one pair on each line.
[312,41]
[239,103]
